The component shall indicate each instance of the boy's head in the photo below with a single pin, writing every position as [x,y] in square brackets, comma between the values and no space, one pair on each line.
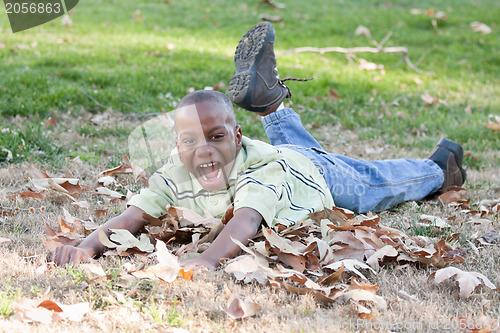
[208,138]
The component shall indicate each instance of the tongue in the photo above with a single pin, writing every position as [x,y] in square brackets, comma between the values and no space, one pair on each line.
[212,174]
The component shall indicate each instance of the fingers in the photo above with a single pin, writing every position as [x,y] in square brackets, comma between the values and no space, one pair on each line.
[68,254]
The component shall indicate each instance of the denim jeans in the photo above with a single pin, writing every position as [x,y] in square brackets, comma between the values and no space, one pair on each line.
[357,185]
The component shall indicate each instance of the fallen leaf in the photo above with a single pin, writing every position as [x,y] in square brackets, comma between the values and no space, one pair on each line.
[490,237]
[431,100]
[167,269]
[125,240]
[49,311]
[82,204]
[453,195]
[37,173]
[125,168]
[110,193]
[370,66]
[9,156]
[386,251]
[432,221]
[4,240]
[238,308]
[467,281]
[350,265]
[333,94]
[278,242]
[186,275]
[374,151]
[272,3]
[66,20]
[362,30]
[50,122]
[270,18]
[481,27]
[27,194]
[494,123]
[358,295]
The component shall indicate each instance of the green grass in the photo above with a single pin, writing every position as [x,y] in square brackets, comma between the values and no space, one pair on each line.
[124,63]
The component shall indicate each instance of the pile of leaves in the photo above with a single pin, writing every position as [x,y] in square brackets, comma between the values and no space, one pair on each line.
[330,256]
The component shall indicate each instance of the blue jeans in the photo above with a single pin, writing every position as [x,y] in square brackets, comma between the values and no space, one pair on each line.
[357,185]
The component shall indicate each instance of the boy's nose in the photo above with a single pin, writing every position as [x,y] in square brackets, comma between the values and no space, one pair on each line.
[204,149]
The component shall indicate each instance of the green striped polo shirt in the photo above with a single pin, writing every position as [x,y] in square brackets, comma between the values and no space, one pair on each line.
[281,184]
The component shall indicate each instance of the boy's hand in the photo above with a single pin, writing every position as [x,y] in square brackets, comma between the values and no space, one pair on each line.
[131,219]
[68,254]
[242,226]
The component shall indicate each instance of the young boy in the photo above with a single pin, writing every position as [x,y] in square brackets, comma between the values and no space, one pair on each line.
[215,165]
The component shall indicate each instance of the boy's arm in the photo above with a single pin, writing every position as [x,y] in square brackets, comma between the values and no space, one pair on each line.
[243,227]
[131,219]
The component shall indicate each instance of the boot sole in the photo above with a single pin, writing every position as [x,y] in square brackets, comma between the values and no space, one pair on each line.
[247,54]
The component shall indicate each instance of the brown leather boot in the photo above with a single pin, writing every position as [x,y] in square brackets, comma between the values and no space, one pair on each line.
[256,86]
[449,156]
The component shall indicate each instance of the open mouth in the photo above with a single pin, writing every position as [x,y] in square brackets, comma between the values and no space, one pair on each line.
[210,173]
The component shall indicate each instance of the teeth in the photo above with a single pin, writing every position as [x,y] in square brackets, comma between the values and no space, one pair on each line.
[206,179]
[208,165]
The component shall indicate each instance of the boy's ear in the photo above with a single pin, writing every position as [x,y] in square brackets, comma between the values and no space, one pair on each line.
[238,134]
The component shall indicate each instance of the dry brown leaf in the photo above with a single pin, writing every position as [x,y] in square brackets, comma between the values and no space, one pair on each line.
[5,212]
[95,269]
[467,281]
[431,100]
[332,278]
[366,297]
[362,30]
[4,240]
[37,173]
[167,269]
[50,122]
[270,18]
[125,168]
[386,251]
[49,311]
[27,194]
[99,213]
[453,195]
[247,268]
[110,193]
[238,308]
[432,221]
[277,242]
[82,204]
[494,123]
[318,295]
[124,240]
[332,93]
[351,266]
[481,27]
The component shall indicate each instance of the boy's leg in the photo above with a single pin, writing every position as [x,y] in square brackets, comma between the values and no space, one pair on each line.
[363,186]
[358,185]
[284,127]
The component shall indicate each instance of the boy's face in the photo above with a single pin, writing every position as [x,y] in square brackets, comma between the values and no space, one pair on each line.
[207,142]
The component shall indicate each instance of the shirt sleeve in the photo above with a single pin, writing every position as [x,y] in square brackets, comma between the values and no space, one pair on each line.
[155,199]
[260,188]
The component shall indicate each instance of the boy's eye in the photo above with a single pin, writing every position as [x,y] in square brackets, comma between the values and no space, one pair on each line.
[187,142]
[218,136]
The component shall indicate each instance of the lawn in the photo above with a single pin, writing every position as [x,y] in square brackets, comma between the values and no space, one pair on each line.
[70,95]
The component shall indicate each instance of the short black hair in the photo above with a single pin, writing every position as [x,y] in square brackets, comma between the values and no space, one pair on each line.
[200,96]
